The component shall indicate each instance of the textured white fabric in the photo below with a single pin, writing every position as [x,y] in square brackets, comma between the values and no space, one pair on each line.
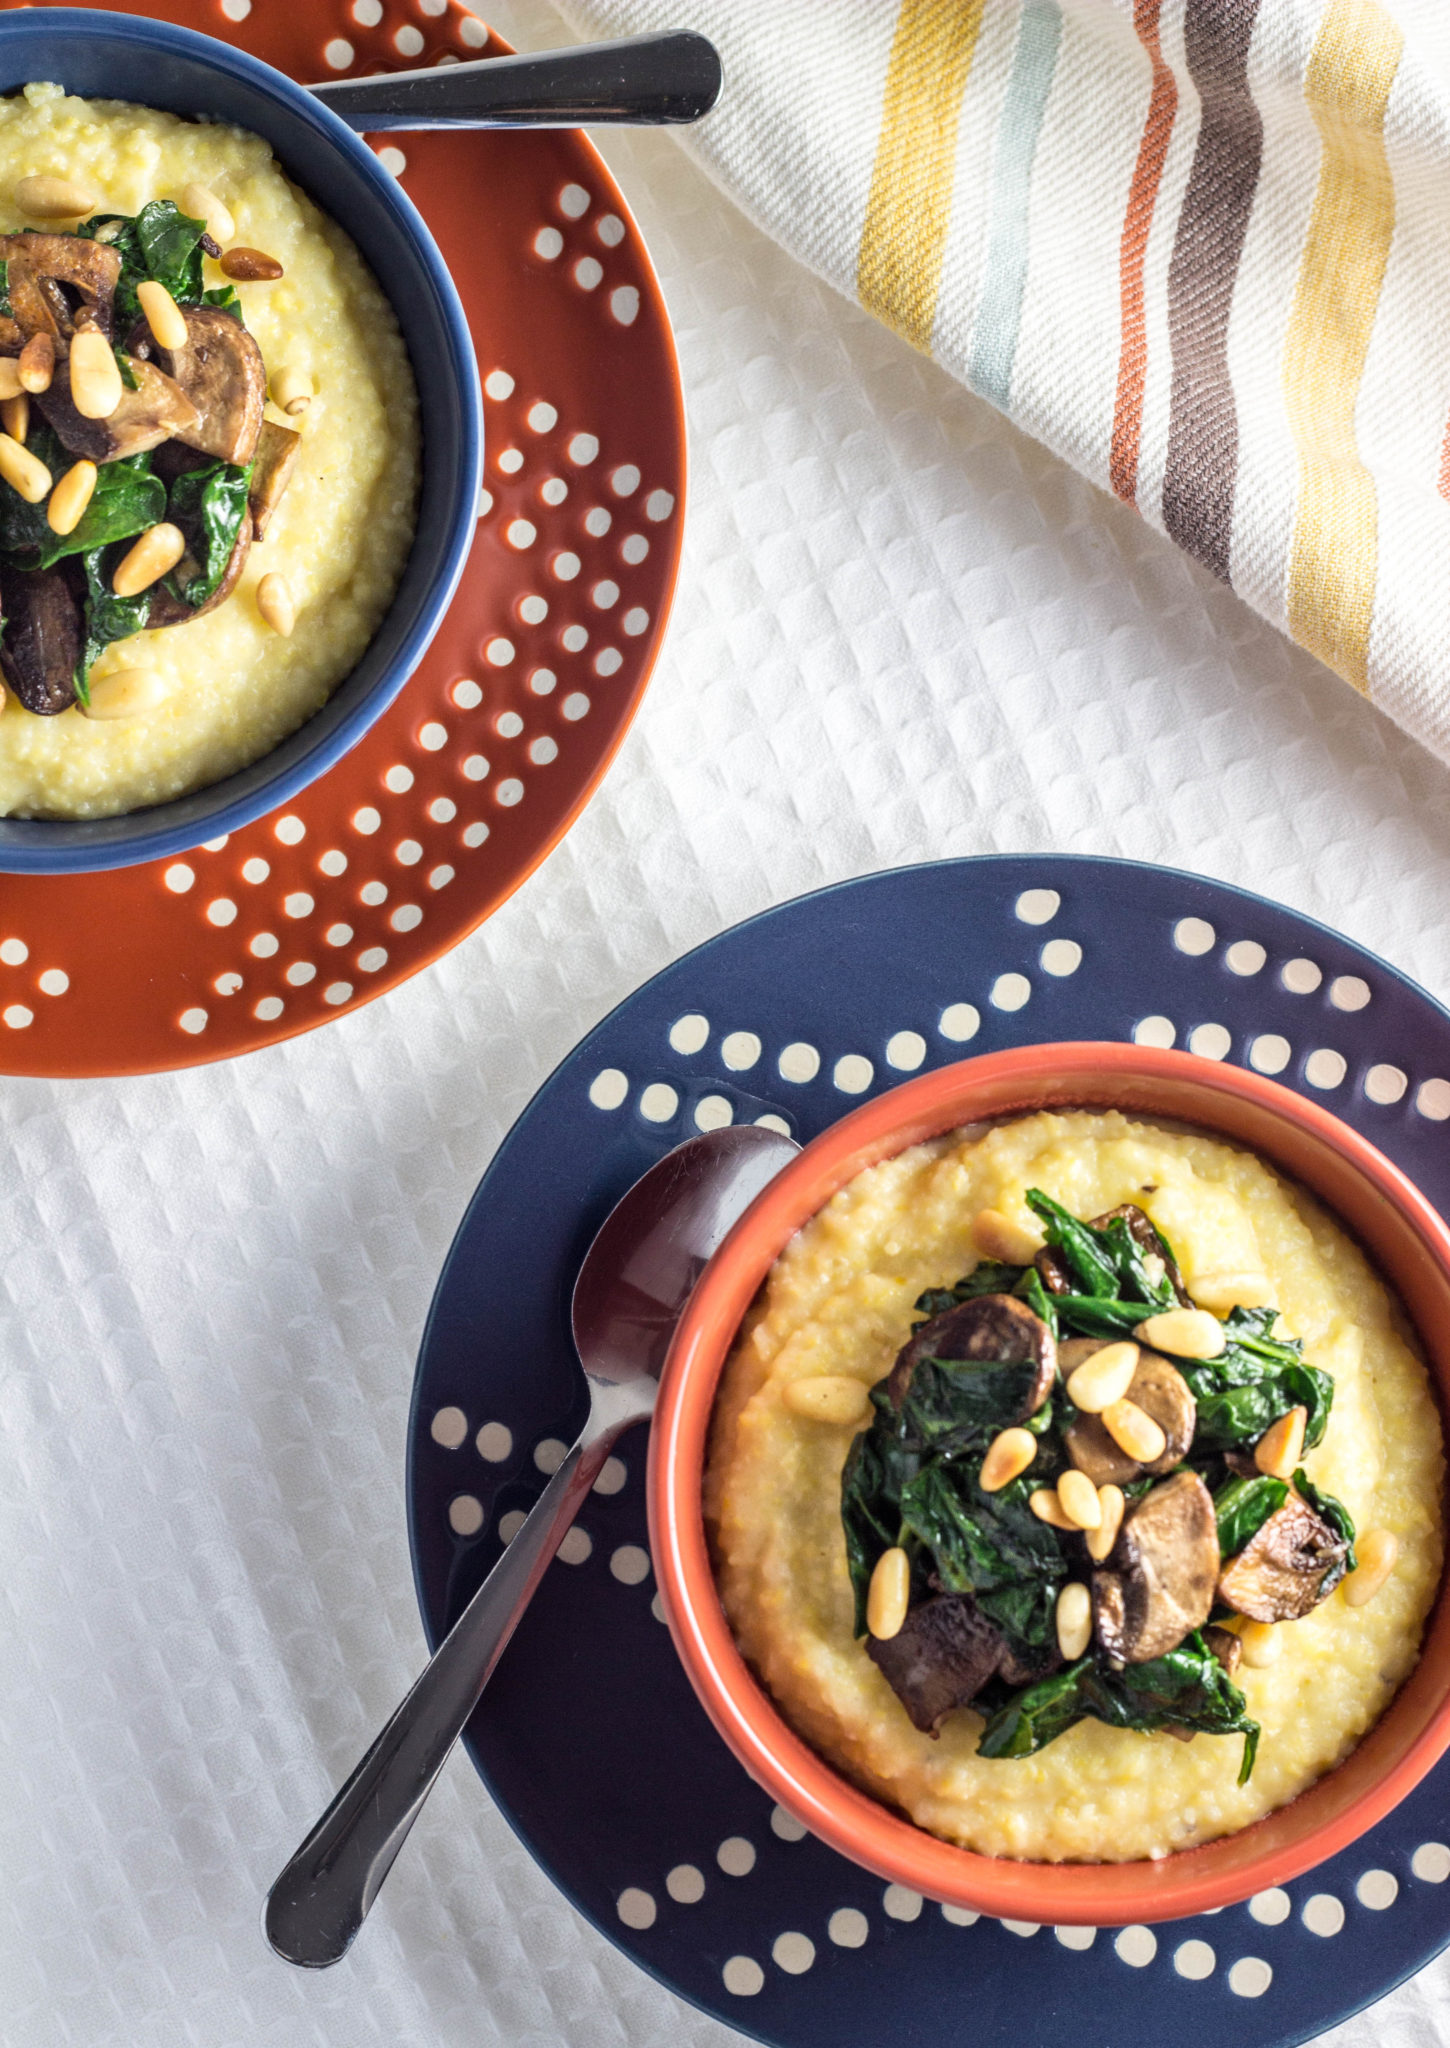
[903,631]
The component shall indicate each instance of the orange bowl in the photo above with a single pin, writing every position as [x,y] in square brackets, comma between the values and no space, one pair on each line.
[1406,1240]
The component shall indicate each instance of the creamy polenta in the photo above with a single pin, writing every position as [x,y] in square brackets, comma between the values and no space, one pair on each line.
[230,684]
[839,1304]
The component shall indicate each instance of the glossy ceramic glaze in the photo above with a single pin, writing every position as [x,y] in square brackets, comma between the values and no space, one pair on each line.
[1407,1241]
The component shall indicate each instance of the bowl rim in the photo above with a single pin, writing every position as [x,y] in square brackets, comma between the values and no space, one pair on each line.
[79,846]
[859,1826]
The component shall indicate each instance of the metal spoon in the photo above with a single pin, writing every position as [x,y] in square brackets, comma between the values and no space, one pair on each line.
[644,81]
[635,1280]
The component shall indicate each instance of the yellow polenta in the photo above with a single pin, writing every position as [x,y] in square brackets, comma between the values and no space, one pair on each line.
[839,1300]
[341,534]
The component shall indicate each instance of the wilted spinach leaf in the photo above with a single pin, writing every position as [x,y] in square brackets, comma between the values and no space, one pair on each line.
[1333,1511]
[108,617]
[159,242]
[1084,1248]
[127,499]
[1242,1506]
[209,505]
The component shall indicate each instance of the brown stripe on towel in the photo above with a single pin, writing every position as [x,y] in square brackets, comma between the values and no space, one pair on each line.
[1142,198]
[1203,430]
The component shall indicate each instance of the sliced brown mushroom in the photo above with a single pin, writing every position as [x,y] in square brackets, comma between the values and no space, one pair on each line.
[167,610]
[42,643]
[1158,1582]
[943,1654]
[40,265]
[1226,1646]
[1145,1235]
[1052,1270]
[1295,1561]
[1159,1389]
[145,417]
[222,373]
[275,460]
[990,1328]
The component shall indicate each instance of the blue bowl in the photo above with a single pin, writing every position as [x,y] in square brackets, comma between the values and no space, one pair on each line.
[119,56]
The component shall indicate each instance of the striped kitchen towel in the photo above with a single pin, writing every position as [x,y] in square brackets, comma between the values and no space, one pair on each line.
[1201,248]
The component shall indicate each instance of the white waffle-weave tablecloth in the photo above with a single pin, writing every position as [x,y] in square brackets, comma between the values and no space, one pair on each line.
[903,631]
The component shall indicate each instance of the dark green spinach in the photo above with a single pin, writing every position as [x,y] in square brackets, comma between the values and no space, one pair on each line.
[127,499]
[209,505]
[159,242]
[108,617]
[1333,1511]
[1242,1506]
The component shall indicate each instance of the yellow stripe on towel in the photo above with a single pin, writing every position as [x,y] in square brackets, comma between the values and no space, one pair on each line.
[908,212]
[1334,562]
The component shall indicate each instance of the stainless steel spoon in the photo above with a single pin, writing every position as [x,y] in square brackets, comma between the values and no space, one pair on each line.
[635,1280]
[642,81]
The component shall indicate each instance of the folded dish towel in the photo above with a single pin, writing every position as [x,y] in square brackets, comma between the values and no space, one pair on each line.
[1201,248]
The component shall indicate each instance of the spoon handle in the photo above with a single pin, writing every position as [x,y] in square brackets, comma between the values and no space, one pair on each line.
[671,76]
[326,1891]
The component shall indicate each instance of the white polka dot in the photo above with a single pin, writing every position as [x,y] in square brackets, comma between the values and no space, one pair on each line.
[848,1928]
[657,1608]
[658,1102]
[1270,1053]
[630,1565]
[573,202]
[566,566]
[624,304]
[367,13]
[1378,1890]
[575,706]
[1245,956]
[255,870]
[906,1050]
[498,384]
[408,853]
[713,1113]
[543,750]
[300,973]
[583,448]
[1325,1068]
[689,1034]
[1300,977]
[853,1074]
[494,1442]
[633,549]
[1348,992]
[574,639]
[510,791]
[608,1089]
[55,981]
[465,1515]
[785,1827]
[1038,906]
[367,820]
[179,878]
[898,1902]
[511,461]
[625,480]
[1193,935]
[598,522]
[1079,1939]
[960,1916]
[1271,1908]
[398,778]
[1385,1084]
[1323,1914]
[1154,1031]
[485,503]
[959,1022]
[658,505]
[605,594]
[542,682]
[473,32]
[740,1050]
[433,737]
[499,652]
[338,934]
[612,1475]
[577,1547]
[1433,1100]
[1194,1960]
[549,1455]
[742,1976]
[548,243]
[799,1062]
[533,610]
[794,1953]
[543,416]
[608,661]
[374,893]
[406,918]
[222,911]
[520,533]
[408,42]
[510,1524]
[610,230]
[372,959]
[269,1009]
[1137,1946]
[298,904]
[475,768]
[193,1021]
[771,1122]
[442,810]
[236,10]
[391,158]
[14,952]
[1250,1977]
[264,945]
[1209,1041]
[440,877]
[1010,991]
[635,621]
[1024,1928]
[449,1428]
[636,1908]
[290,830]
[685,1885]
[1061,956]
[1431,1863]
[736,1856]
[474,835]
[337,992]
[337,54]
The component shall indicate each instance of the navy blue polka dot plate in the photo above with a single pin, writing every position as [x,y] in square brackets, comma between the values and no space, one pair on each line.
[589,1737]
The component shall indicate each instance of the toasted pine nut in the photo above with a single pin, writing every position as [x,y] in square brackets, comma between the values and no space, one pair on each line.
[158,549]
[292,391]
[70,498]
[45,198]
[888,1596]
[1103,1378]
[37,363]
[15,416]
[1280,1448]
[832,1397]
[126,693]
[1263,1644]
[274,602]
[1134,1431]
[998,1237]
[1045,1504]
[163,316]
[95,376]
[199,202]
[1224,1291]
[1183,1333]
[251,266]
[1377,1551]
[1111,1503]
[1008,1456]
[1078,1498]
[1074,1620]
[10,384]
[23,470]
